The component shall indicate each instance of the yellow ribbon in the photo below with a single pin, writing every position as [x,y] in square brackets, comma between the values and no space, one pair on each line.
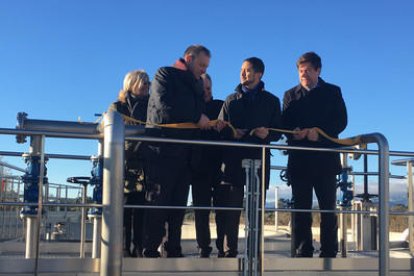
[352,141]
[345,142]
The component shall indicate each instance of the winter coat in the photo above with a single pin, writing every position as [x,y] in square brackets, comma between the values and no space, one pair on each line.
[322,107]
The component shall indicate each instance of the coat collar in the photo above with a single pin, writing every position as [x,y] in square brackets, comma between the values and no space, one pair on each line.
[241,93]
[299,88]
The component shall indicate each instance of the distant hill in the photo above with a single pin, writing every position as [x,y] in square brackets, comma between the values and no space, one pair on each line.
[398,193]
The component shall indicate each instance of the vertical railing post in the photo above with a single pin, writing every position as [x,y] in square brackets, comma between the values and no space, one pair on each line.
[410,206]
[252,219]
[34,179]
[262,197]
[96,213]
[276,207]
[246,164]
[83,222]
[384,191]
[112,201]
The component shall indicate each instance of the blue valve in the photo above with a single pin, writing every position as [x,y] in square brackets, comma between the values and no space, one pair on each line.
[31,183]
[346,192]
[97,181]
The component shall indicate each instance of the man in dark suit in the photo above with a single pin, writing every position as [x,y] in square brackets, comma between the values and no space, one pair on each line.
[252,111]
[313,104]
[176,97]
[206,172]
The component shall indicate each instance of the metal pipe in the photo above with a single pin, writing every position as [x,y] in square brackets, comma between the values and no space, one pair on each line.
[55,126]
[66,200]
[342,218]
[278,168]
[32,230]
[353,216]
[49,155]
[7,165]
[40,198]
[81,128]
[132,130]
[83,222]
[97,220]
[112,213]
[31,234]
[262,197]
[276,206]
[365,196]
[375,174]
[251,258]
[247,222]
[410,206]
[96,242]
[96,205]
[21,132]
[383,166]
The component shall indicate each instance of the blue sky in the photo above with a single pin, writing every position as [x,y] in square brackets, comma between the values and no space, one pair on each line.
[64,60]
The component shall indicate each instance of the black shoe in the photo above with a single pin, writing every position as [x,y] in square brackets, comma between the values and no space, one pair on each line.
[327,255]
[172,251]
[126,253]
[174,255]
[136,252]
[304,255]
[205,252]
[231,254]
[220,254]
[151,253]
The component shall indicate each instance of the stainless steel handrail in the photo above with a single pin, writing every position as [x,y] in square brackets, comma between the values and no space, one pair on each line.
[379,139]
[112,195]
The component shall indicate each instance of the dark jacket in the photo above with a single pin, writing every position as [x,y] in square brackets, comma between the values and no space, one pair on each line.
[321,107]
[176,97]
[246,112]
[207,159]
[135,108]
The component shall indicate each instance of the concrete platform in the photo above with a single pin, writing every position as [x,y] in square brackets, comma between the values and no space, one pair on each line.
[62,258]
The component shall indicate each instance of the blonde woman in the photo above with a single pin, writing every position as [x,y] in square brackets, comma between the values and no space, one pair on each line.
[132,102]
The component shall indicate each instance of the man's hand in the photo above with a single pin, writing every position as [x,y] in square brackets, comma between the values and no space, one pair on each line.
[313,134]
[300,134]
[240,133]
[220,125]
[261,132]
[203,122]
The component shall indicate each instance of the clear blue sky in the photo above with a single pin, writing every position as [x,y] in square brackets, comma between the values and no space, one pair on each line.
[62,60]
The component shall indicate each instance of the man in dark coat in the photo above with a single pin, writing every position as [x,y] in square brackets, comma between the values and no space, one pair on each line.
[206,172]
[313,103]
[251,110]
[176,97]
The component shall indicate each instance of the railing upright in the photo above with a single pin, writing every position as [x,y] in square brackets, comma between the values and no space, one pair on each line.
[112,201]
[383,168]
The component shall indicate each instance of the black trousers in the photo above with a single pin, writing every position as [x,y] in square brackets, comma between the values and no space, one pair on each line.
[134,221]
[167,181]
[228,221]
[203,188]
[325,190]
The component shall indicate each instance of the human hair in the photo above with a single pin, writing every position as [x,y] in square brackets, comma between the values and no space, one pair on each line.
[312,58]
[257,64]
[196,49]
[207,76]
[132,79]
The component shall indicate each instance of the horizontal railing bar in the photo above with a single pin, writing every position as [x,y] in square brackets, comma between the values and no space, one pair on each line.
[285,210]
[50,133]
[49,155]
[196,142]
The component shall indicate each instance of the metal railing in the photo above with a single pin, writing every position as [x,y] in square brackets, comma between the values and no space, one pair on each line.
[113,135]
